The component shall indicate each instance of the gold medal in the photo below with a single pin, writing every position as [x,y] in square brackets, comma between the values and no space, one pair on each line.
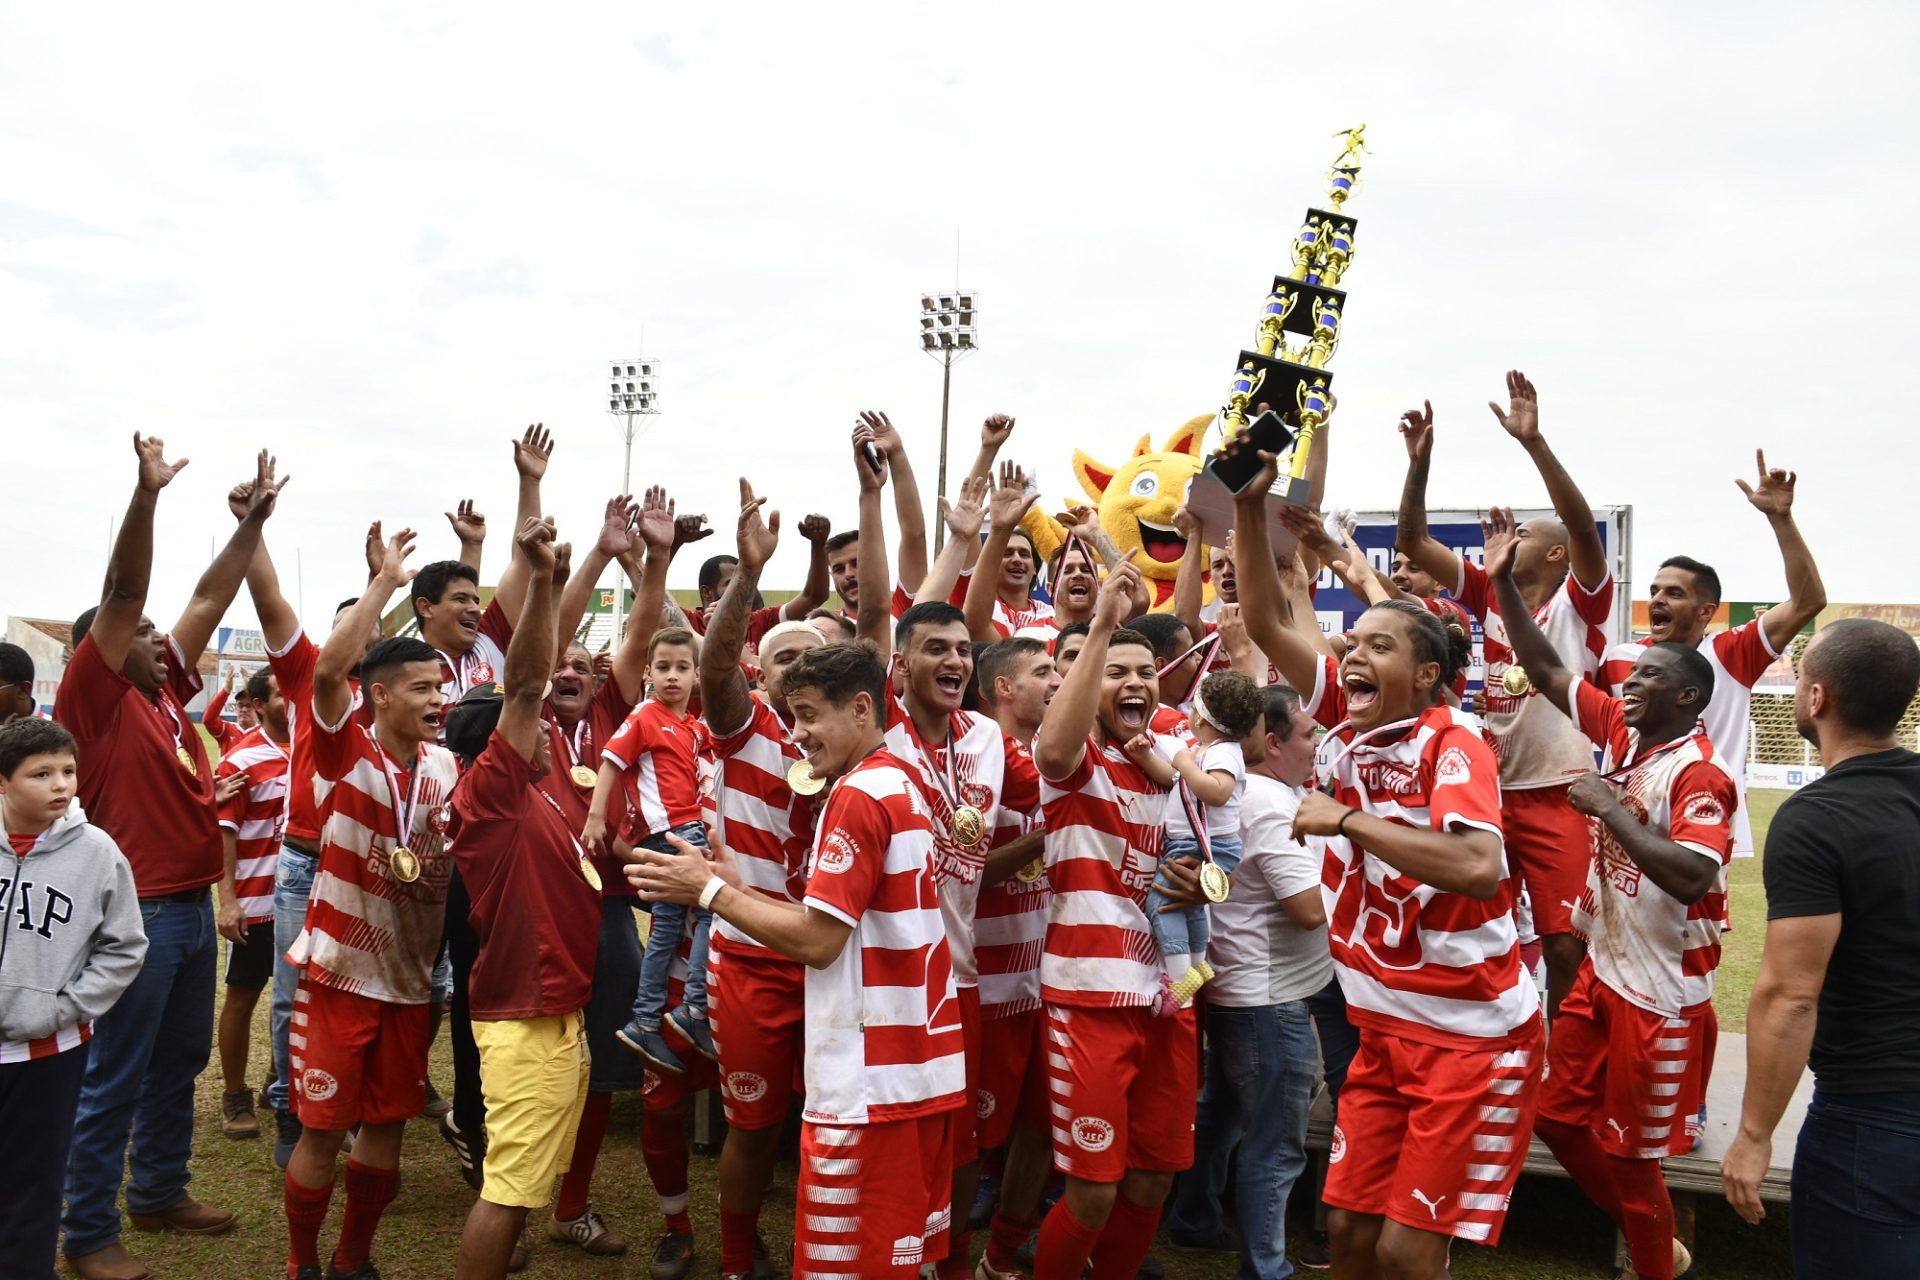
[186,758]
[1031,873]
[404,863]
[1214,882]
[583,777]
[591,872]
[969,826]
[1514,680]
[803,780]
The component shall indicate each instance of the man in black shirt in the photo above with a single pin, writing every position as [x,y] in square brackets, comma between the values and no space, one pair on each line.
[1837,980]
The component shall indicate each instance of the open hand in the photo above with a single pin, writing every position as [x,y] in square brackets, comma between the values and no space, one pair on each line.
[964,518]
[616,527]
[1522,417]
[757,535]
[1416,432]
[1499,536]
[1011,497]
[655,522]
[532,451]
[468,525]
[392,571]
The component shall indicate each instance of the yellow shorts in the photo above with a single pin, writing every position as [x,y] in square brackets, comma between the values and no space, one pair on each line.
[533,1073]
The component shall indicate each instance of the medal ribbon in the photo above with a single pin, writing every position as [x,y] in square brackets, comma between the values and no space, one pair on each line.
[950,785]
[1209,643]
[402,824]
[1196,817]
[1655,754]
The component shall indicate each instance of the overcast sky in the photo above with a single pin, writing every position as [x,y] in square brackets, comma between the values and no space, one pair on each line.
[381,244]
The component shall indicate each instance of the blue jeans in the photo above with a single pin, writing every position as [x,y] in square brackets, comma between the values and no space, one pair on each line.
[1184,933]
[1259,1081]
[616,976]
[292,886]
[146,1053]
[1339,1038]
[1856,1187]
[663,939]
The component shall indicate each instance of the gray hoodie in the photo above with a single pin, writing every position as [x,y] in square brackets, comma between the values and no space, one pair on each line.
[71,937]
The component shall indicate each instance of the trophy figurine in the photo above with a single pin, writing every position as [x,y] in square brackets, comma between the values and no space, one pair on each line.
[1293,381]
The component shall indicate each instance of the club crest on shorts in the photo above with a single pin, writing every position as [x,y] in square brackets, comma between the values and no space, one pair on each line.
[649,1081]
[746,1086]
[983,1104]
[1337,1149]
[1091,1133]
[318,1085]
[1454,768]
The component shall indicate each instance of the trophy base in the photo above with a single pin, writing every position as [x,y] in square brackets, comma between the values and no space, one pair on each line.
[1299,321]
[1210,503]
[1280,383]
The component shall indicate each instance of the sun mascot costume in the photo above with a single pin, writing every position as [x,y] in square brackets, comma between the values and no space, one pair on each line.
[1136,502]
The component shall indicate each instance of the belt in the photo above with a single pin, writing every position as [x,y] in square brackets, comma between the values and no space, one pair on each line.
[309,847]
[192,897]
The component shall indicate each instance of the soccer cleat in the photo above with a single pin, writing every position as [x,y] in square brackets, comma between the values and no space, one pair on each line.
[589,1233]
[652,1046]
[309,1273]
[365,1271]
[471,1154]
[673,1256]
[698,1031]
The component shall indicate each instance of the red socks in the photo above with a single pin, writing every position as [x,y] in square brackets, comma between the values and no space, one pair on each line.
[574,1188]
[1065,1245]
[736,1237]
[957,1265]
[369,1192]
[1124,1241]
[1004,1238]
[306,1210]
[1646,1215]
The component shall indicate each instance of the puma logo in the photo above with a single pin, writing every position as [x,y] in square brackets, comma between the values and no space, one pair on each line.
[1433,1206]
[1617,1127]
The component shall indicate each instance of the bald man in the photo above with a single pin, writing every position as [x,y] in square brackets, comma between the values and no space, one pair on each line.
[1560,567]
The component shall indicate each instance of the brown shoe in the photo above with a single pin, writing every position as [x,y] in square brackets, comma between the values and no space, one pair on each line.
[189,1218]
[237,1120]
[110,1263]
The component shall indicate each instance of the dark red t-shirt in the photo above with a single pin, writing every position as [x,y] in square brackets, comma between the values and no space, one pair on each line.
[582,745]
[134,782]
[537,918]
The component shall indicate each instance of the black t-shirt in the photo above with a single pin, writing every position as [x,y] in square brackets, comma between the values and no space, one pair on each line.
[1849,844]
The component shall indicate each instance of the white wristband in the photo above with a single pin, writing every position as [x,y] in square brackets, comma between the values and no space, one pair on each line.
[712,891]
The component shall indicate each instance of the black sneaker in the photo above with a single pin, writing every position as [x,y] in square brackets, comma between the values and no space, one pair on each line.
[1314,1254]
[673,1256]
[471,1155]
[365,1271]
[309,1273]
[762,1259]
[1150,1269]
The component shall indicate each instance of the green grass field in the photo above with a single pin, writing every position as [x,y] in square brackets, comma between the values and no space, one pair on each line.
[1552,1233]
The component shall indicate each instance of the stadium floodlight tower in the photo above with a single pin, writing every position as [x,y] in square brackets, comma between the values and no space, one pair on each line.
[947,331]
[631,394]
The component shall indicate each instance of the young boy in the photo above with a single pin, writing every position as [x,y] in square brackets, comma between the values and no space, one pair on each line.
[71,942]
[656,759]
[1208,782]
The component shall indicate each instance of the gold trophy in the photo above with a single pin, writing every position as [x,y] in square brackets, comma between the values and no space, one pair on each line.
[1304,300]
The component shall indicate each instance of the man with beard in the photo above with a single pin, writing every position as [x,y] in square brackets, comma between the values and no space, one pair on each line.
[1683,599]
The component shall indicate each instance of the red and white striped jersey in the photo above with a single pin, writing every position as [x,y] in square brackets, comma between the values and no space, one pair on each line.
[1413,960]
[1535,744]
[1035,620]
[1654,950]
[367,931]
[984,768]
[292,668]
[1106,829]
[1739,658]
[658,751]
[257,817]
[883,1020]
[1326,702]
[1010,925]
[758,816]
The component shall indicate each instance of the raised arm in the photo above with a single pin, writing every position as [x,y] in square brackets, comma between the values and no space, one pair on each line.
[1772,496]
[221,582]
[123,595]
[819,584]
[1263,605]
[614,541]
[530,653]
[656,529]
[1011,498]
[332,695]
[1530,645]
[873,621]
[470,528]
[531,453]
[1410,529]
[964,519]
[1062,741]
[994,433]
[278,621]
[1521,420]
[723,686]
[1188,589]
[908,512]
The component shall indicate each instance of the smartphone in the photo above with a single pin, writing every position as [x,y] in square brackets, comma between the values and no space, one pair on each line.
[1266,432]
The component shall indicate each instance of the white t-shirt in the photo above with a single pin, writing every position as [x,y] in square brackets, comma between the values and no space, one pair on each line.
[1223,820]
[1259,955]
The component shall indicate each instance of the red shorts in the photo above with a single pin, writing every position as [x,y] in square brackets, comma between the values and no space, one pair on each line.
[1434,1137]
[355,1060]
[664,1091]
[1012,1085]
[966,1131]
[1634,1077]
[1123,1085]
[757,1003]
[1548,848]
[874,1199]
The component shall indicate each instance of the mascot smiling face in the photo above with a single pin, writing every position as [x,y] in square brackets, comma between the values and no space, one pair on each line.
[1136,501]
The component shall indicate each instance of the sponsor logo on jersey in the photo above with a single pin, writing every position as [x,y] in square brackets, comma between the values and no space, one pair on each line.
[746,1086]
[1090,1133]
